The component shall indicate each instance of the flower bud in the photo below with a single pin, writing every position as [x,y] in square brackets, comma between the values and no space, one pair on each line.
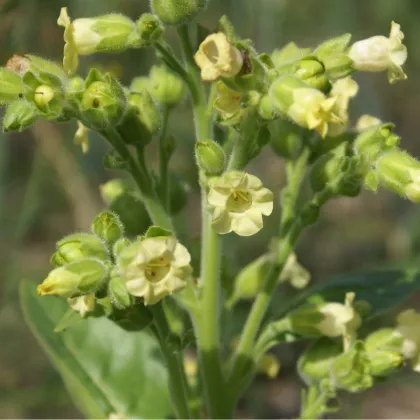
[286,138]
[312,71]
[149,28]
[175,12]
[385,363]
[113,189]
[107,225]
[78,246]
[289,54]
[134,318]
[306,106]
[383,339]
[375,141]
[210,157]
[269,365]
[379,53]
[117,291]
[119,246]
[217,57]
[266,108]
[351,370]
[19,116]
[142,119]
[103,104]
[83,304]
[107,33]
[11,86]
[75,279]
[400,172]
[315,363]
[166,87]
[367,121]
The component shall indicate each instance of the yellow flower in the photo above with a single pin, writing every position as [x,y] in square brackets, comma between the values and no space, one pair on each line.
[340,320]
[81,137]
[239,201]
[409,329]
[269,365]
[227,103]
[83,304]
[366,121]
[380,53]
[159,268]
[71,54]
[217,57]
[313,110]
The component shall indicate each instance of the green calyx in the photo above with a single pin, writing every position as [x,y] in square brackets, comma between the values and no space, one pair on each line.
[210,157]
[149,28]
[175,12]
[19,116]
[107,225]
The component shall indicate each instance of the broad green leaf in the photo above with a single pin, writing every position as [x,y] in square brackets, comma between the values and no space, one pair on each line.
[106,369]
[382,289]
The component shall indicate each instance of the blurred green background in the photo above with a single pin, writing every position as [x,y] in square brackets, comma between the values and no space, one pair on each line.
[48,188]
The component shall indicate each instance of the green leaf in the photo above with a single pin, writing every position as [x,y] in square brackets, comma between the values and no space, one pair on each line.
[105,369]
[382,289]
[157,231]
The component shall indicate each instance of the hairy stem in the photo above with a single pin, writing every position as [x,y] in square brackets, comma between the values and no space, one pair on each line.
[163,160]
[177,379]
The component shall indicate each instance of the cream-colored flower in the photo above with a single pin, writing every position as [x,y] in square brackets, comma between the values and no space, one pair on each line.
[340,320]
[366,121]
[217,57]
[380,53]
[409,329]
[227,103]
[83,304]
[81,137]
[159,268]
[239,200]
[343,90]
[312,109]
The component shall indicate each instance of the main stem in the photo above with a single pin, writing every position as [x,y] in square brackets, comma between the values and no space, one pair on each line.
[291,228]
[207,322]
[177,380]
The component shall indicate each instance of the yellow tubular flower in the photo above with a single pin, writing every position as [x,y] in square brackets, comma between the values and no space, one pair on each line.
[158,269]
[239,202]
[71,56]
[217,57]
[409,329]
[313,110]
[83,304]
[366,121]
[380,53]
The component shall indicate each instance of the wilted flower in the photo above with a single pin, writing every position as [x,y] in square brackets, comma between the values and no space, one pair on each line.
[155,267]
[217,57]
[83,304]
[239,202]
[380,53]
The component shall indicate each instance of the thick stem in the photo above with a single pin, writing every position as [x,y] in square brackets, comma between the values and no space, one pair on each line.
[177,379]
[155,209]
[207,322]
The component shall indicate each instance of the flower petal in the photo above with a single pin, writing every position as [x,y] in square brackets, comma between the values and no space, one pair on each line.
[248,223]
[137,285]
[222,221]
[218,196]
[263,201]
[181,256]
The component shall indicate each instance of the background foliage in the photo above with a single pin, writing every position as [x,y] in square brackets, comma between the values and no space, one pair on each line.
[48,188]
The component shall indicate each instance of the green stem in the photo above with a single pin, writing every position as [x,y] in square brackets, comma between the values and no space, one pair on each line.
[206,323]
[242,359]
[139,173]
[163,159]
[177,380]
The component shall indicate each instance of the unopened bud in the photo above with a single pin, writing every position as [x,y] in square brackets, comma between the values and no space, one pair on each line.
[269,365]
[103,104]
[78,246]
[119,246]
[11,86]
[210,157]
[175,12]
[149,28]
[107,225]
[117,291]
[312,71]
[166,87]
[19,116]
[75,279]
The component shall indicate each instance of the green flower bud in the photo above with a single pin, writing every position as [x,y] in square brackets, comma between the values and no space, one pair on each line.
[165,87]
[385,363]
[19,116]
[175,12]
[117,291]
[375,141]
[312,71]
[11,86]
[351,370]
[78,246]
[125,201]
[142,120]
[134,318]
[150,28]
[112,160]
[315,363]
[119,246]
[75,279]
[286,138]
[103,104]
[400,172]
[266,108]
[383,339]
[307,321]
[289,54]
[210,157]
[107,225]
